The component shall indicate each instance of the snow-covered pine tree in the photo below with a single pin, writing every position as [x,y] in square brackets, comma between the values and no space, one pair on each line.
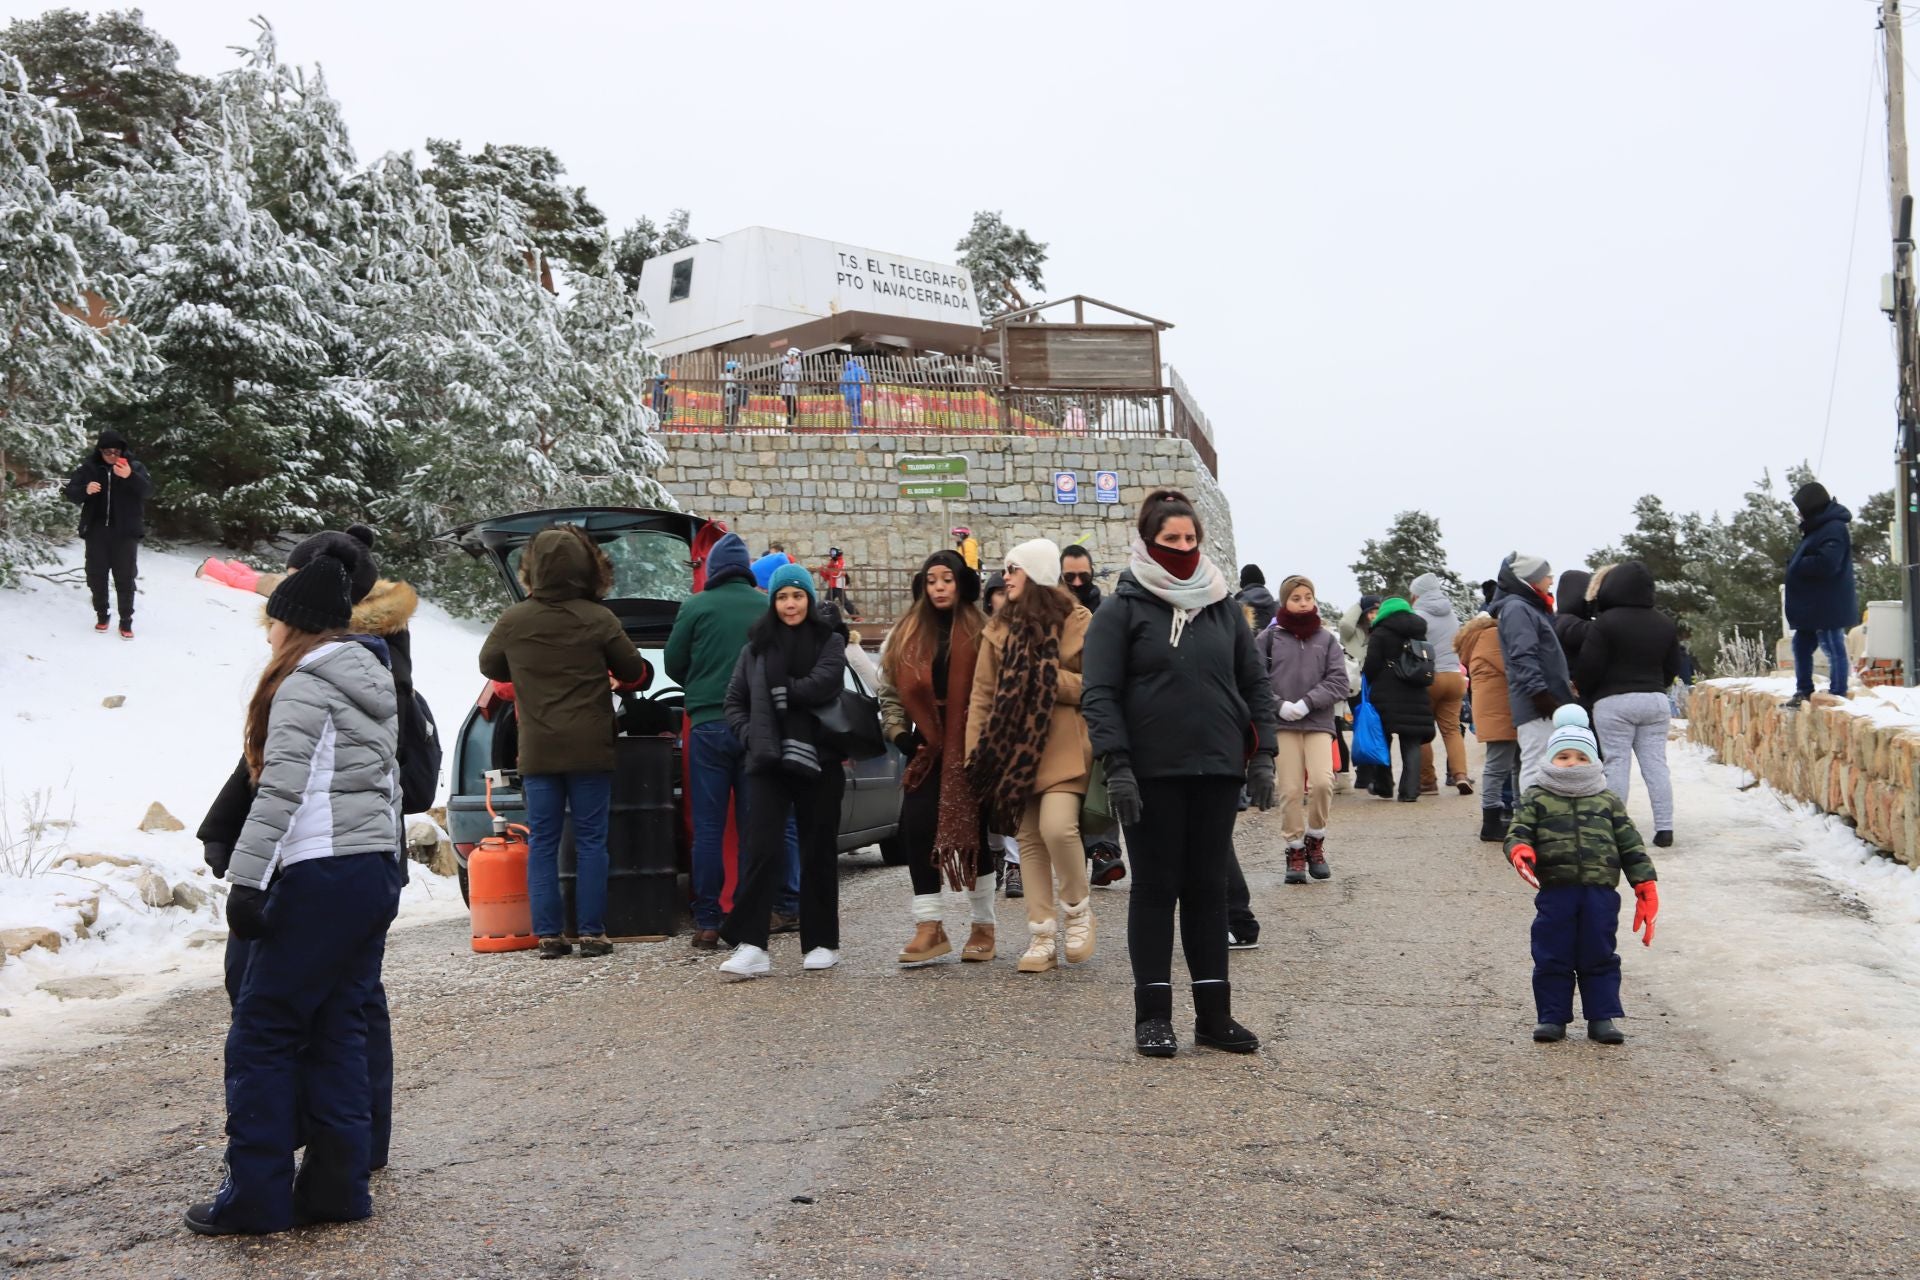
[52,359]
[1412,547]
[999,258]
[563,227]
[251,425]
[643,240]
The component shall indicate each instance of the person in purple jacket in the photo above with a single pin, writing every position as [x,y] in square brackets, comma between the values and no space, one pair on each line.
[1308,671]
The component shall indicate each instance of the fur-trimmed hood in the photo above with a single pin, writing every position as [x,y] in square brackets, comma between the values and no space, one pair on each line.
[385,611]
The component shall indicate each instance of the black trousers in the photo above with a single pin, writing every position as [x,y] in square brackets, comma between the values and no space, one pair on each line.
[108,554]
[1409,766]
[920,822]
[1181,849]
[1240,918]
[815,804]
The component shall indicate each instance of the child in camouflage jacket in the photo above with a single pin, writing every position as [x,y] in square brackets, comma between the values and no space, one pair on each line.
[1570,839]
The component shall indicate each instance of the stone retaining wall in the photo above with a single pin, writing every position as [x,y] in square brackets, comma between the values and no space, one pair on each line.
[811,492]
[1860,768]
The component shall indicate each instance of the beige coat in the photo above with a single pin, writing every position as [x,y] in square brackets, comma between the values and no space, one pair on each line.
[1067,762]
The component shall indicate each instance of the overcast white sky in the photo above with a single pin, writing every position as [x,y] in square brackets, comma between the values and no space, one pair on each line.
[1511,263]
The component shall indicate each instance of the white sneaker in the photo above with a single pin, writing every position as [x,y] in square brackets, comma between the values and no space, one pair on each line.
[1234,943]
[820,958]
[747,961]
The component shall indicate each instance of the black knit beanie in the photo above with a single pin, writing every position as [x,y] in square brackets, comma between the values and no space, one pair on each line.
[1250,576]
[314,599]
[1812,499]
[353,549]
[967,579]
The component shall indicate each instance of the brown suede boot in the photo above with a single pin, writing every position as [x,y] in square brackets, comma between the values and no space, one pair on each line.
[929,943]
[980,944]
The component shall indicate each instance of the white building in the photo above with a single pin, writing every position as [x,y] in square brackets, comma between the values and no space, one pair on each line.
[764,289]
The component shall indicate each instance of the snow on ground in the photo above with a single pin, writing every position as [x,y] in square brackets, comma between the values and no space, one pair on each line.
[1794,948]
[1883,704]
[66,758]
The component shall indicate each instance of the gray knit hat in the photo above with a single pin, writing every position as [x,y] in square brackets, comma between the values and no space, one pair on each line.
[1530,569]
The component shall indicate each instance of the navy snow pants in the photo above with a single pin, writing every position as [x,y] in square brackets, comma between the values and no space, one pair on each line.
[1573,940]
[297,1050]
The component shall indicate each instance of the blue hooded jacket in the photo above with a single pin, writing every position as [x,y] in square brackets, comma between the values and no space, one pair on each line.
[1820,590]
[763,567]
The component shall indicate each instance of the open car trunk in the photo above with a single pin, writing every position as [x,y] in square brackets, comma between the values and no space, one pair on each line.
[651,552]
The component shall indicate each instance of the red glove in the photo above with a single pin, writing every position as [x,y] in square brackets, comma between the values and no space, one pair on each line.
[1645,909]
[1523,861]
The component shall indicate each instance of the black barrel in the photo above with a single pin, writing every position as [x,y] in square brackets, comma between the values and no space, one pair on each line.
[643,855]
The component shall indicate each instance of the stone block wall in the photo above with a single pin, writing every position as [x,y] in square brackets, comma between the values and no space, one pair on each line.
[811,492]
[1863,768]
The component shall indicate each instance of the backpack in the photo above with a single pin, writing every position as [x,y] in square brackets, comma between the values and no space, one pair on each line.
[1414,663]
[419,755]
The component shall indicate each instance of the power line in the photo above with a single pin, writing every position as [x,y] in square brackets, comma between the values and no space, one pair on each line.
[1846,285]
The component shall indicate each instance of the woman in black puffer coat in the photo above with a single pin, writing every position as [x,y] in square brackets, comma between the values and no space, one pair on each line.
[1406,712]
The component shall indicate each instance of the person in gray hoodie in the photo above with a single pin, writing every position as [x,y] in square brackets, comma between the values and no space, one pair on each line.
[1449,688]
[1254,595]
[1308,671]
[314,889]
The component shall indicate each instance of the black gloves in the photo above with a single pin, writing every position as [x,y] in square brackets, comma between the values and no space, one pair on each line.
[1546,704]
[1260,784]
[217,856]
[1123,791]
[247,912]
[908,740]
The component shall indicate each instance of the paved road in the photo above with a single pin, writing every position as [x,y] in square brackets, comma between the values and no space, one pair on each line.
[636,1117]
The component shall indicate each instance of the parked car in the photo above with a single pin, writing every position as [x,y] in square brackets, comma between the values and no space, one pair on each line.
[651,553]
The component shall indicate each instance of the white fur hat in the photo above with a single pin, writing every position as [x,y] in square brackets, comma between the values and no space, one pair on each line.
[1039,559]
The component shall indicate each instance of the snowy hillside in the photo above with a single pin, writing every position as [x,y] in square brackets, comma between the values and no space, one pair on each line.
[67,758]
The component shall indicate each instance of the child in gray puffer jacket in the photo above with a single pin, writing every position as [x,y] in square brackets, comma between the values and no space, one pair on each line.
[1308,671]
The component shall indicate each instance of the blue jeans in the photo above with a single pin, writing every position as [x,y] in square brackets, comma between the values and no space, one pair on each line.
[549,797]
[716,777]
[1834,644]
[1573,941]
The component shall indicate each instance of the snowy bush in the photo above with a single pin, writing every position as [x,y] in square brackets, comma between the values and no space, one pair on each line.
[1743,655]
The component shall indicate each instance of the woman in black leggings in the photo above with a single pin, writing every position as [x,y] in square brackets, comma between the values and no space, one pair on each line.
[926,683]
[1180,710]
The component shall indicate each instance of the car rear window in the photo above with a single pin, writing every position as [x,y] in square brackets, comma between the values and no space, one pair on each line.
[647,564]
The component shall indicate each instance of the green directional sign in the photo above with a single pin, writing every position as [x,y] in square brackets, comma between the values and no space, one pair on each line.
[954,465]
[933,488]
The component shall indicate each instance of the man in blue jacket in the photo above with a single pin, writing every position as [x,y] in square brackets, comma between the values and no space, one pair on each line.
[1537,680]
[1821,601]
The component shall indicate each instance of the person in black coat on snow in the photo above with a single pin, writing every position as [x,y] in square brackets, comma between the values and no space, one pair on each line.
[1821,598]
[1406,712]
[111,490]
[1180,711]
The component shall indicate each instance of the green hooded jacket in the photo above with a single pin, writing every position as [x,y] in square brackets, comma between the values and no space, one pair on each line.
[1579,840]
[557,649]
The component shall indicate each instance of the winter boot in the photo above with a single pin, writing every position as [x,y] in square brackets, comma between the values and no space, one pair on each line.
[1041,947]
[929,942]
[1493,825]
[1015,888]
[1108,866]
[1603,1030]
[1296,865]
[1316,852]
[1663,839]
[981,944]
[599,946]
[1153,1021]
[554,948]
[1548,1032]
[1213,1023]
[1079,931]
[1795,702]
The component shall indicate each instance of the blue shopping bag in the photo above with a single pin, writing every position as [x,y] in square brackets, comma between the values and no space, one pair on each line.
[1369,735]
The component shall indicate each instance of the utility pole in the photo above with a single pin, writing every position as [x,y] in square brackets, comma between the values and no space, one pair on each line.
[1907,404]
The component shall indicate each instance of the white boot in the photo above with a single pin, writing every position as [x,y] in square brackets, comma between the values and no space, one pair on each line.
[1079,931]
[747,961]
[1041,946]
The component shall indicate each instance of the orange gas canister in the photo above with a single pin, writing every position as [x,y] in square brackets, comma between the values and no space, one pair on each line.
[497,887]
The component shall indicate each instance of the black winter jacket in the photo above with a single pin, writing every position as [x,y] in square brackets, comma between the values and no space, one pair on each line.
[1198,710]
[120,508]
[1573,616]
[1405,709]
[1632,647]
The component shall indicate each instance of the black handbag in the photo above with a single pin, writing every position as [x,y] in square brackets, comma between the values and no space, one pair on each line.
[850,725]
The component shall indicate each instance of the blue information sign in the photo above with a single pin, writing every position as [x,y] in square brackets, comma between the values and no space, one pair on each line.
[1106,486]
[1066,488]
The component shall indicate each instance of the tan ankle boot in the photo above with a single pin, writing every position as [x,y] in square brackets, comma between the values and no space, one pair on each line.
[929,943]
[1041,946]
[980,944]
[1079,931]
